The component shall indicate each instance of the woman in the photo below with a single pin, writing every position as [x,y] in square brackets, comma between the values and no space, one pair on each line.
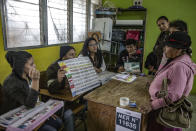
[21,87]
[91,50]
[56,76]
[179,70]
[154,58]
[57,81]
[130,54]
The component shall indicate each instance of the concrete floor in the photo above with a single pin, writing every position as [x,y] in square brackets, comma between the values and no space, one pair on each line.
[192,98]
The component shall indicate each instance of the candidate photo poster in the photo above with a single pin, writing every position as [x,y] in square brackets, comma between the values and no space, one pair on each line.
[81,74]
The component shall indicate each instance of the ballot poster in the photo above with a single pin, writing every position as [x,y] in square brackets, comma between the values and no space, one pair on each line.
[16,114]
[25,119]
[127,120]
[38,116]
[80,74]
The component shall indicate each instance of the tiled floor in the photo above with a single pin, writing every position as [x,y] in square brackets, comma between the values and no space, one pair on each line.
[192,98]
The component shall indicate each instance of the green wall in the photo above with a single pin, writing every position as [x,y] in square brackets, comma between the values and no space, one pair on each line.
[173,9]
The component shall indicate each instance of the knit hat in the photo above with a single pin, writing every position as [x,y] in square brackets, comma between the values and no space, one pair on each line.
[179,40]
[17,60]
[64,50]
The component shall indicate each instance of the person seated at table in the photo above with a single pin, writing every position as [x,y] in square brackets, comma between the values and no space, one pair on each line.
[91,50]
[57,81]
[56,76]
[21,87]
[130,54]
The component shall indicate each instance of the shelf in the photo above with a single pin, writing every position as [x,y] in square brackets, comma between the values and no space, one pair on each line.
[132,9]
[105,13]
[128,27]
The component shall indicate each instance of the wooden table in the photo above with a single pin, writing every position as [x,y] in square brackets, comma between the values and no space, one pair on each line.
[64,95]
[103,101]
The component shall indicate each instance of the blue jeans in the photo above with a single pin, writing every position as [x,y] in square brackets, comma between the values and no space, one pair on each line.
[68,120]
[52,125]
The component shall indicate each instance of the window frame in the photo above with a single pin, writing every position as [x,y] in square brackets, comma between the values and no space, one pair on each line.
[44,25]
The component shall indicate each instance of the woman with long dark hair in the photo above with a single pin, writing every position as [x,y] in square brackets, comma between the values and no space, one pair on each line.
[91,50]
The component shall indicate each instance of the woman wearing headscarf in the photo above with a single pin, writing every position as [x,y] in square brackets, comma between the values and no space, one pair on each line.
[56,77]
[57,81]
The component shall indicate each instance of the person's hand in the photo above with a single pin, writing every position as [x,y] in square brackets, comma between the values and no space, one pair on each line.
[151,68]
[133,52]
[34,74]
[54,117]
[60,75]
[98,70]
[146,108]
[121,69]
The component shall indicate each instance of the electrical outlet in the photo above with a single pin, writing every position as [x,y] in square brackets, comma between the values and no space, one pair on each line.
[137,2]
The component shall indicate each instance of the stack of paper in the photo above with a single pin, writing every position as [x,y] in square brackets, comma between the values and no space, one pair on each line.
[125,78]
[105,76]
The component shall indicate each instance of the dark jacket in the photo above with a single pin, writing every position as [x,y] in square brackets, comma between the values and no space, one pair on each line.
[124,55]
[53,85]
[16,92]
[159,45]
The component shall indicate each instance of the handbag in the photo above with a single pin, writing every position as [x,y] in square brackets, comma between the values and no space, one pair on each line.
[176,114]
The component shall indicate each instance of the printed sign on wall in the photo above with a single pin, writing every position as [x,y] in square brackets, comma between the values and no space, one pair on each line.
[80,74]
[127,120]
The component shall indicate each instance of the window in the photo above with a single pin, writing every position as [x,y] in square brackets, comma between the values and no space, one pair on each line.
[39,23]
[23,26]
[79,20]
[94,4]
[57,21]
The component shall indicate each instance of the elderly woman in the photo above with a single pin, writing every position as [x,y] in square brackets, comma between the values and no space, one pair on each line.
[179,70]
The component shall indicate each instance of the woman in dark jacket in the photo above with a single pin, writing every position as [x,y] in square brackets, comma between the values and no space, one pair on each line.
[56,77]
[21,87]
[57,81]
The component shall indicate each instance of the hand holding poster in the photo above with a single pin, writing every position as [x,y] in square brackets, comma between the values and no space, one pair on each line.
[80,74]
